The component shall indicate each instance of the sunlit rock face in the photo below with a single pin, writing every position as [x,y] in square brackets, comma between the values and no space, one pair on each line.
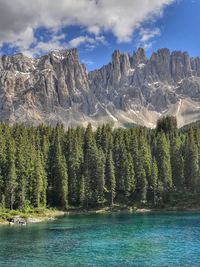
[56,88]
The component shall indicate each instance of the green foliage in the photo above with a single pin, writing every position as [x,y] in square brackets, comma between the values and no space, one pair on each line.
[164,161]
[168,125]
[11,177]
[110,178]
[52,167]
[192,171]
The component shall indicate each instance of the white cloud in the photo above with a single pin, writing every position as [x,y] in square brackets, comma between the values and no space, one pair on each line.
[80,40]
[19,18]
[147,45]
[101,39]
[41,47]
[54,43]
[94,29]
[90,42]
[146,36]
[87,62]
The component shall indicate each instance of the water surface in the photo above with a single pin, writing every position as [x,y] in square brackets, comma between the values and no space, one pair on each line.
[156,239]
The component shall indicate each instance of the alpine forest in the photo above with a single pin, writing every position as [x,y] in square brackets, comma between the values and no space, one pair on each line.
[84,168]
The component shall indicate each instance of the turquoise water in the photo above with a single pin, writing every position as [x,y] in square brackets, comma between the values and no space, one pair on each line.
[171,239]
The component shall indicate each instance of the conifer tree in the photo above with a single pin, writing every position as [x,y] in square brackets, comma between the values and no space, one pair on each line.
[98,178]
[58,176]
[74,157]
[110,177]
[177,164]
[191,163]
[21,171]
[154,180]
[146,158]
[39,182]
[82,197]
[141,180]
[128,176]
[164,161]
[61,178]
[90,156]
[11,177]
[50,166]
[2,167]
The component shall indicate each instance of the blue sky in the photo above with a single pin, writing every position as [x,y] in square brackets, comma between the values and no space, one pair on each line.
[98,27]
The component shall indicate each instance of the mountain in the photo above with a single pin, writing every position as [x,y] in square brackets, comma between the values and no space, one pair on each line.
[131,89]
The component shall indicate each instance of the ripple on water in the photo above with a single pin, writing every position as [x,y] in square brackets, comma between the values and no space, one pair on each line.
[168,239]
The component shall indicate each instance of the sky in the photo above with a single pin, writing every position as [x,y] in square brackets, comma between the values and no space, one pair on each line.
[98,27]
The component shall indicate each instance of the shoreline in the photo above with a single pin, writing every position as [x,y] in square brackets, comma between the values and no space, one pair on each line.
[53,215]
[129,210]
[30,218]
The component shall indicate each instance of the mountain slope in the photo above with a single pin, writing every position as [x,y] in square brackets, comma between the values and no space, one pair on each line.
[130,89]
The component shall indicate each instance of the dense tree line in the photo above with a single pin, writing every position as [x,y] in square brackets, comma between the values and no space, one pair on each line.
[45,166]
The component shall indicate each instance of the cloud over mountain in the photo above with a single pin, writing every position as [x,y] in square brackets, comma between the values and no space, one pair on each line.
[20,19]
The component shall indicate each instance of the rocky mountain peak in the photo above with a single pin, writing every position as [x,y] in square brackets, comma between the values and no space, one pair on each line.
[115,56]
[139,57]
[130,89]
[120,67]
[18,62]
[180,65]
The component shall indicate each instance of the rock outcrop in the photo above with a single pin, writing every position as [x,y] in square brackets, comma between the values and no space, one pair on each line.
[56,88]
[167,83]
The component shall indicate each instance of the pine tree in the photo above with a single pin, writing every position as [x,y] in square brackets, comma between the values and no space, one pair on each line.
[119,157]
[164,161]
[110,177]
[39,183]
[74,157]
[177,164]
[58,174]
[106,138]
[128,176]
[98,179]
[22,168]
[2,166]
[167,125]
[43,165]
[90,156]
[154,180]
[63,182]
[191,163]
[146,158]
[11,177]
[141,180]
[82,196]
[133,147]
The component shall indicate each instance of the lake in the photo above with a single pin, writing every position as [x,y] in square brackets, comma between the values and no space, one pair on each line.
[153,239]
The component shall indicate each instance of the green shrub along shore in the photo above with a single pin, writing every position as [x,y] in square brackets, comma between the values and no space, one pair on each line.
[31,215]
[90,169]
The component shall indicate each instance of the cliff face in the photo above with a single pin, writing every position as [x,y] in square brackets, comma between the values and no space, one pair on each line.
[50,89]
[130,89]
[167,83]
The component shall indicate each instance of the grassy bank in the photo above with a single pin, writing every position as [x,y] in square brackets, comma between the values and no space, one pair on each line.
[30,215]
[39,215]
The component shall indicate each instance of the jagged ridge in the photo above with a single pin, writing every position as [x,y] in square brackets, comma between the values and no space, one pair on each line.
[131,89]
